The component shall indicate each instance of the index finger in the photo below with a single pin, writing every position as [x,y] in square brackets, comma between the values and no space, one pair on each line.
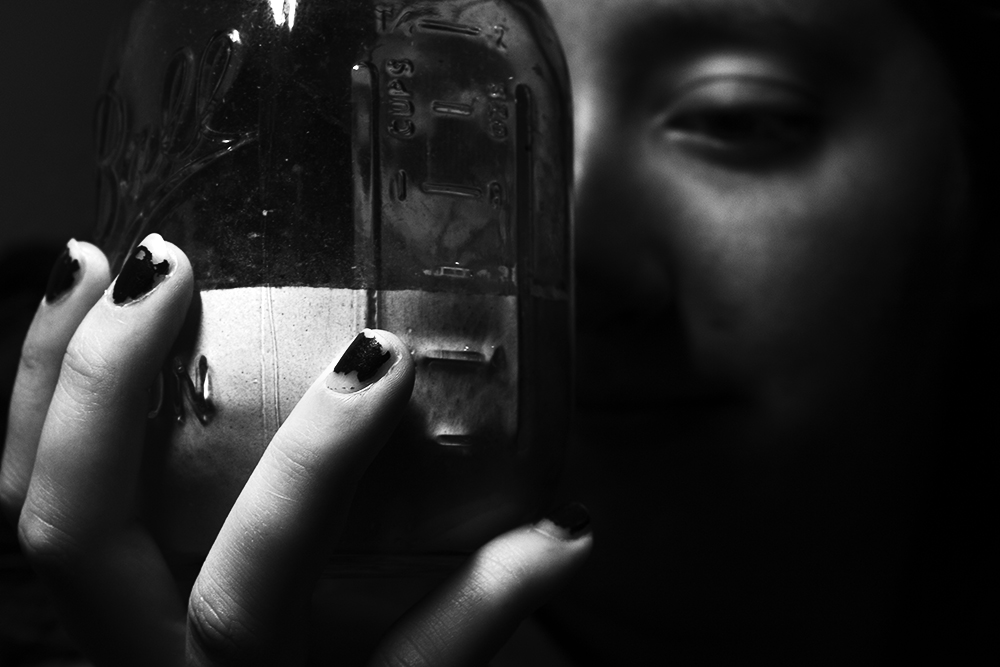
[249,603]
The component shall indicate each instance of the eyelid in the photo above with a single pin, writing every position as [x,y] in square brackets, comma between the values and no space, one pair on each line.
[739,117]
[738,92]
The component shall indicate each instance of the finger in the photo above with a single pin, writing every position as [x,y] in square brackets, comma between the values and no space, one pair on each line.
[468,619]
[79,522]
[78,279]
[249,602]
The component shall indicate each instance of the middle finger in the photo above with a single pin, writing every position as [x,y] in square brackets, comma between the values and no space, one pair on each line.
[79,524]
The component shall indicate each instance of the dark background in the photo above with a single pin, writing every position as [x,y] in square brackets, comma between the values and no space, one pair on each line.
[50,61]
[51,52]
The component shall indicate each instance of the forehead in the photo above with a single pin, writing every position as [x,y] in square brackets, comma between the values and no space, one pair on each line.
[612,45]
[801,12]
[590,25]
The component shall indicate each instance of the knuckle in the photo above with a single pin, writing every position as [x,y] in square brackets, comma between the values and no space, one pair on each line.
[35,357]
[404,652]
[11,497]
[214,628]
[294,465]
[46,545]
[499,569]
[84,365]
[89,377]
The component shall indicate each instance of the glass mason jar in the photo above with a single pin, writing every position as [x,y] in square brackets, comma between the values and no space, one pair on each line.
[330,165]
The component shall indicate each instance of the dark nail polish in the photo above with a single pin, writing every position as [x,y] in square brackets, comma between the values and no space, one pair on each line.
[572,519]
[139,275]
[63,276]
[361,361]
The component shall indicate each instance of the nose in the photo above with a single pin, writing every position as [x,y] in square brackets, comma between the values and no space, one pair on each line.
[623,267]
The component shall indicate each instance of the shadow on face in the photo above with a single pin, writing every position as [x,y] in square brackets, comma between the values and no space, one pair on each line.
[770,195]
[772,224]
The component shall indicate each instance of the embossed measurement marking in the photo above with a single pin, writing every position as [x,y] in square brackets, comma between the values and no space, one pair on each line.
[452,189]
[451,272]
[499,112]
[454,356]
[459,441]
[400,184]
[401,67]
[452,108]
[448,26]
[400,108]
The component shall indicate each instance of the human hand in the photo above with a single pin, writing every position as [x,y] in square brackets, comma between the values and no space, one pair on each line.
[70,479]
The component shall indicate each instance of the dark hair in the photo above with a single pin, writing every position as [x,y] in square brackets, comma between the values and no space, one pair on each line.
[964,32]
[951,582]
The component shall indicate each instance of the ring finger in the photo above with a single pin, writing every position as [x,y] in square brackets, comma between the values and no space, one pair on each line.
[78,279]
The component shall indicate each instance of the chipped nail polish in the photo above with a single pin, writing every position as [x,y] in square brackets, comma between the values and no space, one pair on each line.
[62,279]
[363,363]
[142,270]
[566,523]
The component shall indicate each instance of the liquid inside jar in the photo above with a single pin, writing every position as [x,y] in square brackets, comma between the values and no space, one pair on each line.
[401,166]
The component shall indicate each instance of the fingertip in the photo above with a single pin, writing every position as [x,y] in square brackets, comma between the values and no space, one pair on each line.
[565,522]
[568,525]
[374,357]
[181,272]
[471,615]
[76,282]
[556,545]
[389,341]
[548,553]
[152,263]
[124,337]
[79,273]
[526,565]
[93,262]
[162,248]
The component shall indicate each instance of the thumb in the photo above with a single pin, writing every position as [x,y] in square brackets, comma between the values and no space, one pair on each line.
[468,619]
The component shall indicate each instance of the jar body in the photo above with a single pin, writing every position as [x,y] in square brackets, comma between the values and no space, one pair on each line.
[334,165]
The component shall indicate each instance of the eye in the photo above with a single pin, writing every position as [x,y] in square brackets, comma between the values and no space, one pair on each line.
[742,120]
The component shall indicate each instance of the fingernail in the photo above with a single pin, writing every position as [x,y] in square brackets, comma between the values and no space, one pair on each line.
[62,279]
[566,523]
[363,363]
[143,270]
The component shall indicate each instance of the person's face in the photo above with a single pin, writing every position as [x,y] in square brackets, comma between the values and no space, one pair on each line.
[768,194]
[770,206]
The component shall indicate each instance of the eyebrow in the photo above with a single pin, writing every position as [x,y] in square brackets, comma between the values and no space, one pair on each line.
[659,30]
[680,18]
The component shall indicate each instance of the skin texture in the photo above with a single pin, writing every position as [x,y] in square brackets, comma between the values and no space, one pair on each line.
[770,200]
[71,471]
[780,270]
[788,194]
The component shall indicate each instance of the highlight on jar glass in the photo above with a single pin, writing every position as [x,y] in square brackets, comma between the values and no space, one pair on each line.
[335,165]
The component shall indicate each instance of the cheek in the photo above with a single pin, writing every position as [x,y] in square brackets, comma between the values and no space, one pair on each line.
[791,285]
